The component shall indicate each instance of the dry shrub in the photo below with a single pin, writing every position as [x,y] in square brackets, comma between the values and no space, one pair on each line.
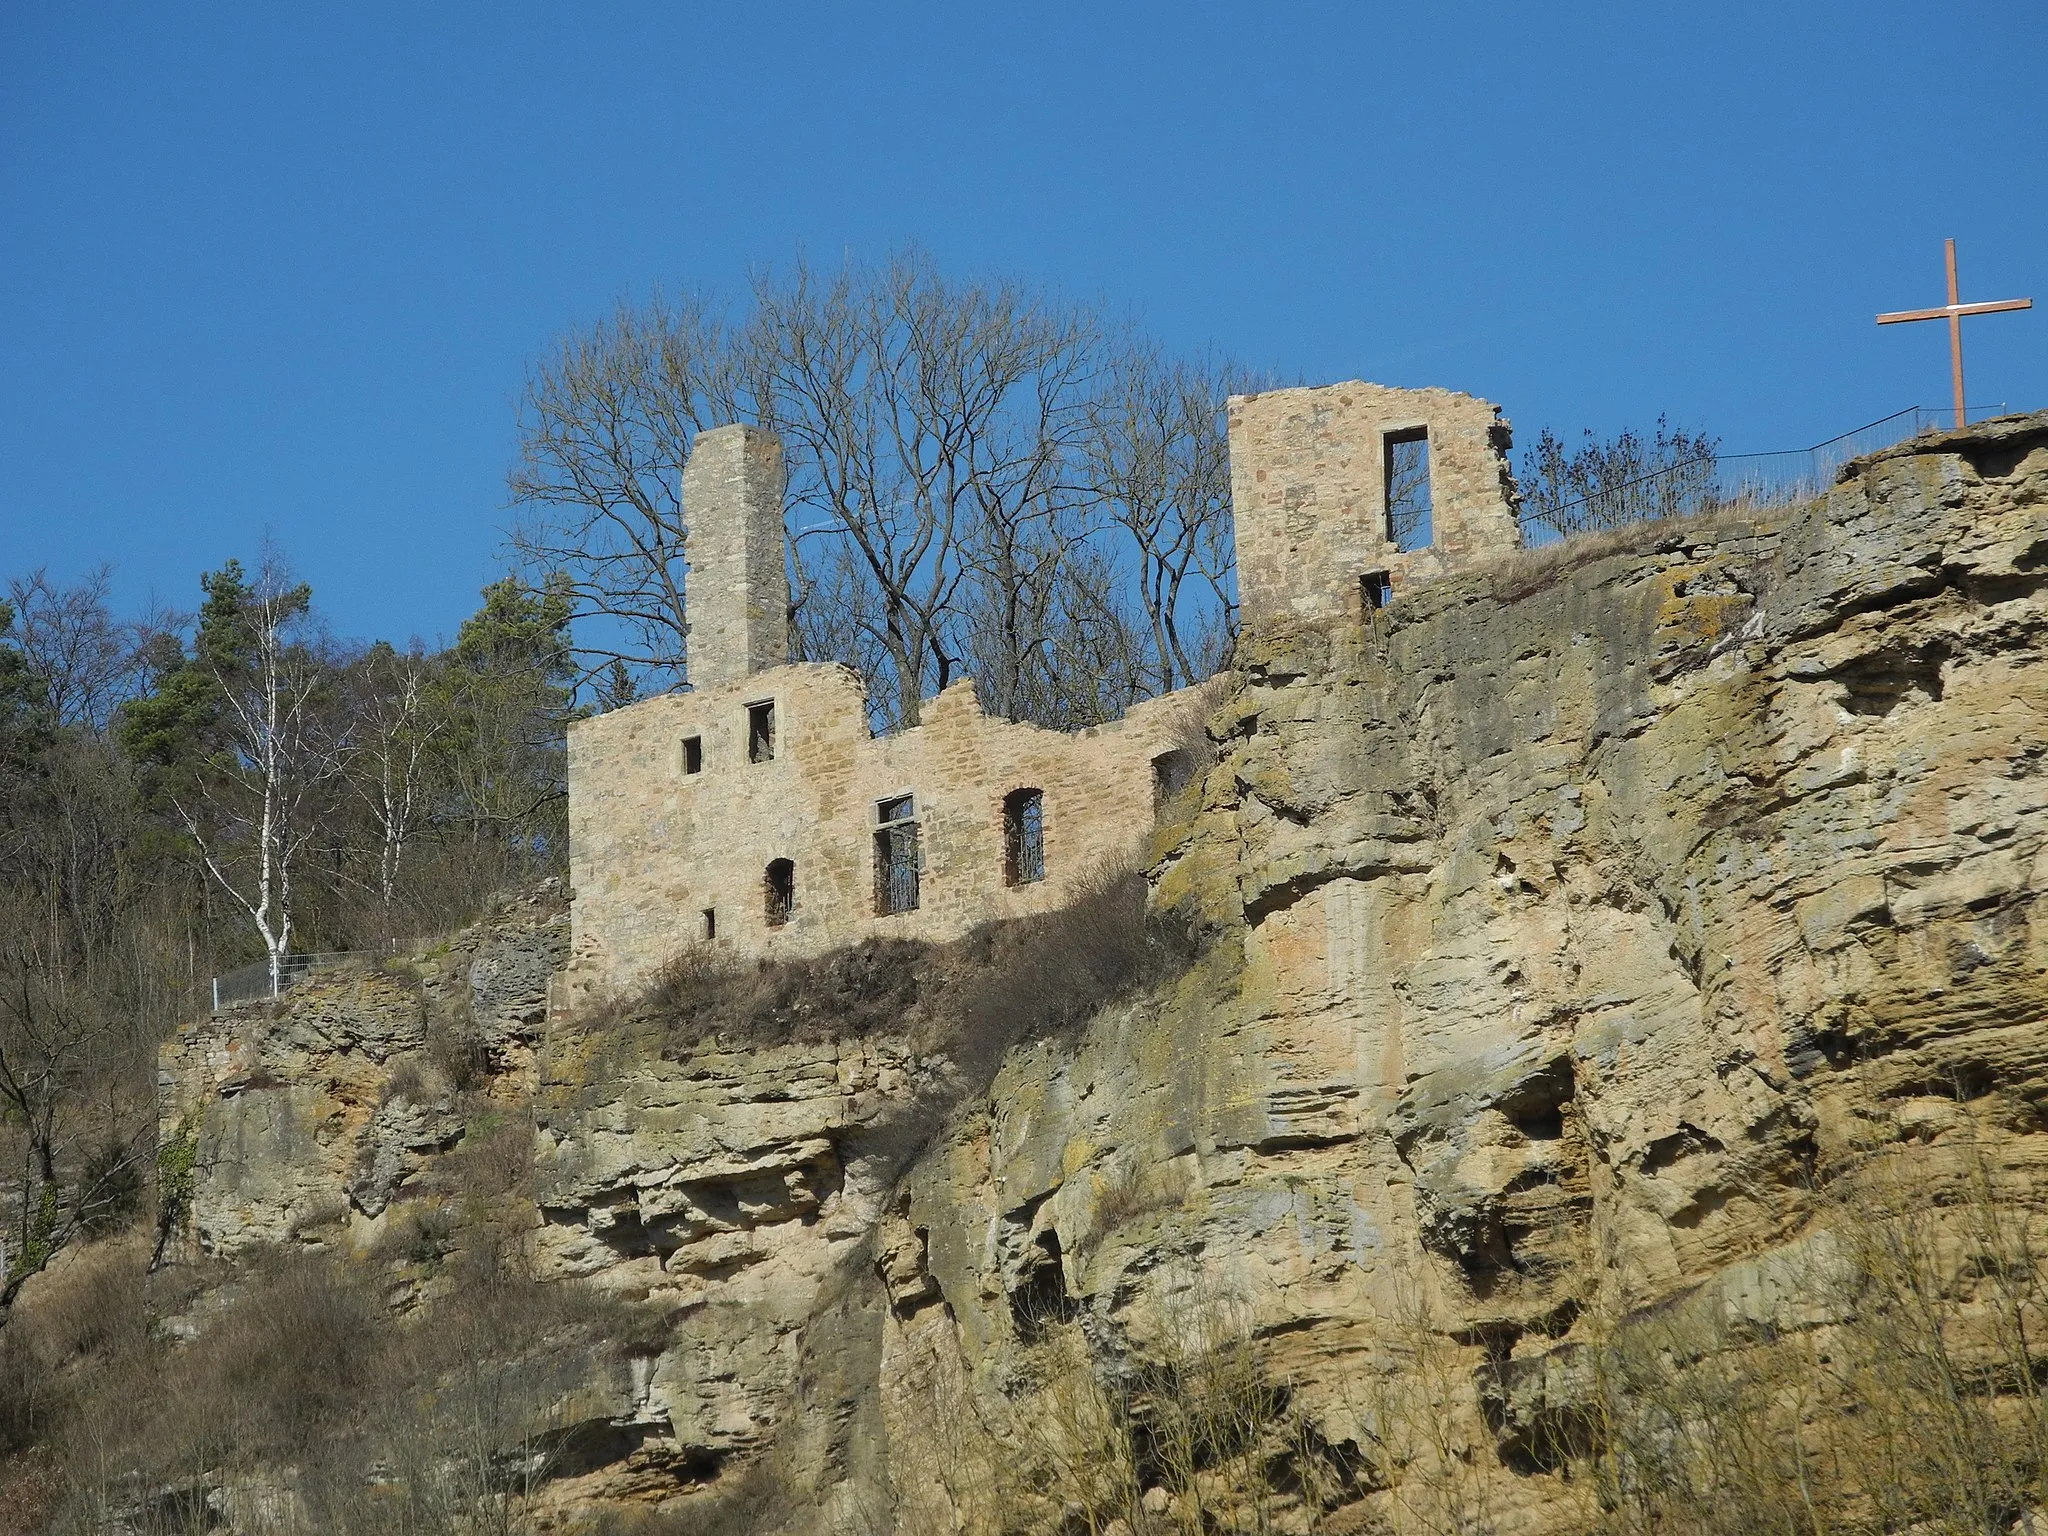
[1195,1437]
[291,1390]
[705,992]
[458,1050]
[1884,1376]
[754,1499]
[1006,982]
[420,1232]
[287,1361]
[1908,1396]
[494,1157]
[1045,975]
[407,1080]
[86,1308]
[30,1486]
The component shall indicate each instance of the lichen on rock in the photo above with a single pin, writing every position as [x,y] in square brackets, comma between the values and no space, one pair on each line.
[1574,942]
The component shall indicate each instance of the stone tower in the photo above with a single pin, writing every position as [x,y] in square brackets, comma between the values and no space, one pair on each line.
[736,549]
[1311,474]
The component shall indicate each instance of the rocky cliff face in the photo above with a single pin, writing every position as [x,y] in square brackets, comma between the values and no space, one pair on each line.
[1571,935]
[308,1119]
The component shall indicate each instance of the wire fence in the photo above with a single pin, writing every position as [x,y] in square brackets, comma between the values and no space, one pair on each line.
[1719,481]
[256,982]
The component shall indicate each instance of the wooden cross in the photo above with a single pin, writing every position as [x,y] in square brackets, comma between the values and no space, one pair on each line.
[1953,312]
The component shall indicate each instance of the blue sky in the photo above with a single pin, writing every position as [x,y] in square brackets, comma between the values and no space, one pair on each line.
[280,269]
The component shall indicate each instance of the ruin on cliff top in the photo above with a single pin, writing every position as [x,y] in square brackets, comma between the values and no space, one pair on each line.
[758,813]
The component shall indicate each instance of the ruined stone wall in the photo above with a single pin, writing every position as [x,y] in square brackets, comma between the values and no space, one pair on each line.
[1308,491]
[653,847]
[1575,926]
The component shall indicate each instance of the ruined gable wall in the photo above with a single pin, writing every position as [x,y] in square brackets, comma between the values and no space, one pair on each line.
[1308,491]
[652,847]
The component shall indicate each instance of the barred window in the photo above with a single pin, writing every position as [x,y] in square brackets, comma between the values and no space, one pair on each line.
[1023,837]
[896,855]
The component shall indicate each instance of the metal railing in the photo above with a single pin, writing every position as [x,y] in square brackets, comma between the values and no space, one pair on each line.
[1714,481]
[255,982]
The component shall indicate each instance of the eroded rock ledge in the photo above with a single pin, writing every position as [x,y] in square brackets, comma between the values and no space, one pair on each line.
[1569,931]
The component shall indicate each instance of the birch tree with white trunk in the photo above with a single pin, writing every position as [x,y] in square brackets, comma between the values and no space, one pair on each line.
[396,731]
[250,817]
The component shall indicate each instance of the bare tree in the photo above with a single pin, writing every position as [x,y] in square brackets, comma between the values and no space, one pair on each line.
[81,1150]
[88,660]
[251,816]
[1158,456]
[929,423]
[1049,633]
[396,731]
[985,479]
[607,423]
[1610,482]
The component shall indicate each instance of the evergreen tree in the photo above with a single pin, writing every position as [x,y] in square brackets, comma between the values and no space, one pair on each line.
[508,691]
[175,725]
[26,724]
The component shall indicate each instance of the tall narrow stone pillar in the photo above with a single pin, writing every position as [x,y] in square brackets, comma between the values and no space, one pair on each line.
[737,589]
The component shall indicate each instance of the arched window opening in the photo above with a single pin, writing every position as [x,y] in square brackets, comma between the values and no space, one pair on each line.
[779,889]
[1023,837]
[1173,772]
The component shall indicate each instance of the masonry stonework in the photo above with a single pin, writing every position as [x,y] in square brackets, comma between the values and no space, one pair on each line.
[1308,492]
[738,583]
[745,812]
[654,849]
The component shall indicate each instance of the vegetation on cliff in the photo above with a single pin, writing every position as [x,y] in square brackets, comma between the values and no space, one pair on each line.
[179,798]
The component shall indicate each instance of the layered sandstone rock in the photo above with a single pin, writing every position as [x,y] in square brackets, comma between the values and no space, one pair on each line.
[309,1116]
[1569,931]
[1574,923]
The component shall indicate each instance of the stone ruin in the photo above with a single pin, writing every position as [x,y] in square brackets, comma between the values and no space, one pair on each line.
[1343,495]
[757,812]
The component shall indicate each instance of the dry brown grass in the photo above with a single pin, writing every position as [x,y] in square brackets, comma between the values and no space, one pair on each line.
[972,999]
[292,1374]
[1908,1396]
[1529,571]
[1196,1437]
[1888,1380]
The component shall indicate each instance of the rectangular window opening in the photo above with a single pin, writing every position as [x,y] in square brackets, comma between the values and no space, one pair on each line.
[708,928]
[779,891]
[1023,837]
[1376,590]
[1407,487]
[693,754]
[761,732]
[896,856]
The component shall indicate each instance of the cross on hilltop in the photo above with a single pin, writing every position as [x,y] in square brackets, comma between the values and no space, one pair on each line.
[1953,312]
